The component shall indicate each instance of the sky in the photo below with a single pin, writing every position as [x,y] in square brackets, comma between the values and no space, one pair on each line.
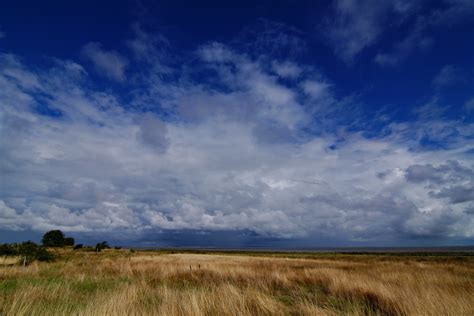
[240,124]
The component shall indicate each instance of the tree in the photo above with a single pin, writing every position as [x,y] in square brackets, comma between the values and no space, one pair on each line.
[104,245]
[101,245]
[69,241]
[53,238]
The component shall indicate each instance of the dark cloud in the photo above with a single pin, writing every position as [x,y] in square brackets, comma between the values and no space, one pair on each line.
[457,194]
[450,172]
[273,133]
[153,132]
[421,173]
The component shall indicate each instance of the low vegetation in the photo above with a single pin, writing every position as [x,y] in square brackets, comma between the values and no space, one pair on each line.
[122,282]
[24,253]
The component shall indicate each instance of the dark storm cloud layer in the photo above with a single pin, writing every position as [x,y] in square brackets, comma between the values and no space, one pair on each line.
[224,140]
[451,181]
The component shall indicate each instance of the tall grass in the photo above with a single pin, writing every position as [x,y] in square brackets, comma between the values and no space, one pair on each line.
[147,283]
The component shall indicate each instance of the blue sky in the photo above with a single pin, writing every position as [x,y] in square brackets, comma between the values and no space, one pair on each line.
[238,124]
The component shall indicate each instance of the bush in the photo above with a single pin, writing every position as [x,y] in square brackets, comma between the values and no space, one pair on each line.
[68,241]
[29,251]
[43,255]
[7,250]
[78,246]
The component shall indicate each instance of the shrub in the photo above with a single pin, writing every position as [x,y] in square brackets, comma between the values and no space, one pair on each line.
[78,246]
[43,255]
[29,251]
[68,241]
[7,250]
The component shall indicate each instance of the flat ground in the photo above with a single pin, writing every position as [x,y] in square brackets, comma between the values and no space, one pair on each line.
[119,282]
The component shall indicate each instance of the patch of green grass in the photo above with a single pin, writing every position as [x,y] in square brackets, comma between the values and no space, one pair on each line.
[91,286]
[286,299]
[8,286]
[86,286]
[51,271]
[41,281]
[60,305]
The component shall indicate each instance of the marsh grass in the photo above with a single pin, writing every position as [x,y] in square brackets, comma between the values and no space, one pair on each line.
[117,282]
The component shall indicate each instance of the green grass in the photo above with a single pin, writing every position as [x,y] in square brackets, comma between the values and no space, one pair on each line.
[8,286]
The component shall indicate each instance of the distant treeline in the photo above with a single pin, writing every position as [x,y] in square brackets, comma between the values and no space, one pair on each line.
[30,251]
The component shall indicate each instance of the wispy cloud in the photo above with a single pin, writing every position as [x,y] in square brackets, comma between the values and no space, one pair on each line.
[448,75]
[287,69]
[271,38]
[420,37]
[110,64]
[416,40]
[357,25]
[469,105]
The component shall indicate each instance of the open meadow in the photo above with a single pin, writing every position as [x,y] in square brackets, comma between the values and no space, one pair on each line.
[121,282]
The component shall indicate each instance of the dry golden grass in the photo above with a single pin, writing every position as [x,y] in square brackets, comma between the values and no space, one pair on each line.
[7,261]
[153,283]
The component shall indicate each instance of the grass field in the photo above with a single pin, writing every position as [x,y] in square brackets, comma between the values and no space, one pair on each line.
[119,282]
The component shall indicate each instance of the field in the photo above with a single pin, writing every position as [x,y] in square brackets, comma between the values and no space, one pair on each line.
[121,282]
